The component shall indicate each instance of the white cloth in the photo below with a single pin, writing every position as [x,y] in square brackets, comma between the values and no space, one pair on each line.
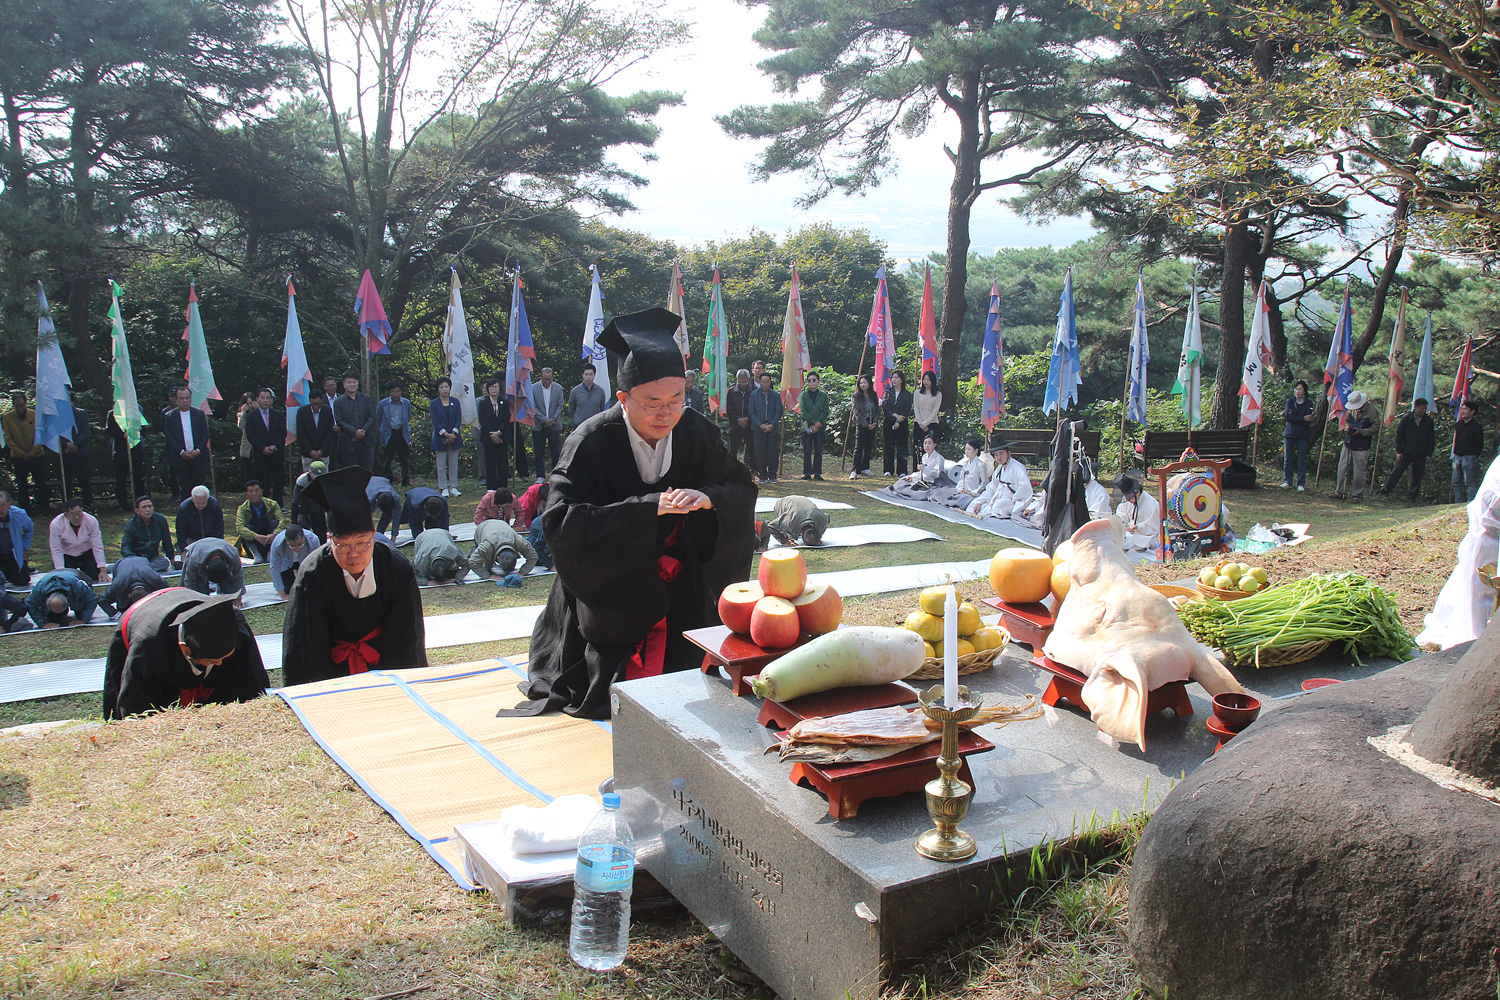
[364,586]
[1464,604]
[974,475]
[651,463]
[1142,521]
[553,827]
[1097,497]
[1007,492]
[186,416]
[933,465]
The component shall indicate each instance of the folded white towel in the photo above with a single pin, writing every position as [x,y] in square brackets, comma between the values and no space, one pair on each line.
[553,827]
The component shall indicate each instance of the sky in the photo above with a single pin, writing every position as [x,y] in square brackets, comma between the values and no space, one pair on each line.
[701,187]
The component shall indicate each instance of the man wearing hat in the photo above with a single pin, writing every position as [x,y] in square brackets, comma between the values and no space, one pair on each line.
[797,521]
[648,519]
[436,558]
[1009,487]
[354,415]
[1139,513]
[303,511]
[177,647]
[1354,457]
[501,553]
[199,516]
[354,604]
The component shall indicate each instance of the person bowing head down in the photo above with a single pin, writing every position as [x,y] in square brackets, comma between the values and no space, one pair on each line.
[648,519]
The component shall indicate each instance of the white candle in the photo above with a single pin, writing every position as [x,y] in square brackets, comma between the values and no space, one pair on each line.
[950,649]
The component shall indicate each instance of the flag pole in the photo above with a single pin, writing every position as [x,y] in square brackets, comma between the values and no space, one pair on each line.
[63,470]
[844,458]
[1255,448]
[130,467]
[1322,446]
[1124,410]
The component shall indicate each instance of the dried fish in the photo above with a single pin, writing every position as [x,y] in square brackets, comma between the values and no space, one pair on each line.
[890,729]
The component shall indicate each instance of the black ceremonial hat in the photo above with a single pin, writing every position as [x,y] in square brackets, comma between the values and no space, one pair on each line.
[210,629]
[342,494]
[643,346]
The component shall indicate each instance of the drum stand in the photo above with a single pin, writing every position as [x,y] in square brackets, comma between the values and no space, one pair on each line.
[1213,536]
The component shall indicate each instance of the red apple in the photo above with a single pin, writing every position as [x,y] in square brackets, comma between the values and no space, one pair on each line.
[774,623]
[736,605]
[819,609]
[783,573]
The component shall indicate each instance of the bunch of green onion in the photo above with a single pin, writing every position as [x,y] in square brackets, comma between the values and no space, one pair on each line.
[1337,608]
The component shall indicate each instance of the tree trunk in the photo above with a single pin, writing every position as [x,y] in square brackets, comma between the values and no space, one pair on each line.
[1393,256]
[1225,412]
[1460,726]
[961,198]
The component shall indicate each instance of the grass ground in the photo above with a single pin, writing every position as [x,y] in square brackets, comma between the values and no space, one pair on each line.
[218,852]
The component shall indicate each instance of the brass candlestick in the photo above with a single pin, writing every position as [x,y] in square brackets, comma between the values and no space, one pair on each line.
[948,797]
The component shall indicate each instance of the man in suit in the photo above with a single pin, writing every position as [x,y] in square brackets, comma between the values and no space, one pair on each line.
[393,423]
[546,431]
[737,412]
[127,461]
[75,458]
[331,390]
[355,416]
[317,434]
[186,431]
[265,427]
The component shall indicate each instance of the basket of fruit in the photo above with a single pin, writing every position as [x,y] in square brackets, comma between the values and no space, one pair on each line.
[979,646]
[1228,580]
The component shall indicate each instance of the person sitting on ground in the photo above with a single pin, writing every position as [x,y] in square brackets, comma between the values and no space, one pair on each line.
[354,604]
[930,473]
[56,593]
[213,563]
[796,520]
[1009,488]
[178,647]
[134,578]
[256,522]
[303,511]
[15,542]
[496,505]
[382,496]
[497,549]
[972,475]
[436,558]
[1140,513]
[149,536]
[199,516]
[77,543]
[287,552]
[423,508]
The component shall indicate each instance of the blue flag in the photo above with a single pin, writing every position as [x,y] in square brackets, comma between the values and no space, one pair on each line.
[1140,355]
[1423,388]
[519,355]
[1063,376]
[992,364]
[54,408]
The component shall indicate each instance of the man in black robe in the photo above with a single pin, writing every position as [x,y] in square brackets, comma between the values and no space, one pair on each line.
[178,647]
[649,518]
[355,605]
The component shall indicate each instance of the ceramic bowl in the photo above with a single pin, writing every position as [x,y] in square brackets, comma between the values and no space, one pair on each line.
[1236,711]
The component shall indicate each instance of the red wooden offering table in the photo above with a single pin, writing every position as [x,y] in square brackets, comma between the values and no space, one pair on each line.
[1223,732]
[1028,623]
[839,701]
[1067,685]
[733,653]
[847,786]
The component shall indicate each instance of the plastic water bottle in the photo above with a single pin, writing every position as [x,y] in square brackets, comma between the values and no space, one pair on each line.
[602,880]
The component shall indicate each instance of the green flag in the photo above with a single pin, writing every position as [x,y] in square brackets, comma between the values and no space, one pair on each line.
[715,362]
[127,411]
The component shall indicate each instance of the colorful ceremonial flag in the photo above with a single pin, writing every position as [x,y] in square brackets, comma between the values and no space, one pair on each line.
[593,325]
[674,305]
[372,322]
[927,329]
[1190,365]
[1395,382]
[54,407]
[1063,375]
[795,359]
[200,373]
[1461,378]
[127,410]
[1140,355]
[457,353]
[716,351]
[299,383]
[520,353]
[882,337]
[1257,362]
[1423,386]
[1338,371]
[992,365]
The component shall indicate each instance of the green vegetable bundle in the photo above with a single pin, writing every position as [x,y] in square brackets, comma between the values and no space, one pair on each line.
[1338,608]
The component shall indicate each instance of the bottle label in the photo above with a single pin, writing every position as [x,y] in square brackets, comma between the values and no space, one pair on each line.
[604,867]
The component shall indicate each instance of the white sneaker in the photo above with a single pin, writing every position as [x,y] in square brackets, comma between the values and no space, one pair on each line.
[1284,485]
[1302,489]
[454,492]
[854,475]
[447,491]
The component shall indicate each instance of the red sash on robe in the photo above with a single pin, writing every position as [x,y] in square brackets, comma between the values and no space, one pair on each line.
[361,656]
[650,657]
[125,618]
[200,695]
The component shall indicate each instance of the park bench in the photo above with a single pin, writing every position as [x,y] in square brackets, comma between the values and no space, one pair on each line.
[1169,445]
[1036,442]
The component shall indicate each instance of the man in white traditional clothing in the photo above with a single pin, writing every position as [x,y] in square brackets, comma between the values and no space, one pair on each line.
[1140,513]
[1464,605]
[1009,488]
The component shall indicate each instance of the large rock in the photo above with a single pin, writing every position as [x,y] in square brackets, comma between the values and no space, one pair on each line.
[1302,862]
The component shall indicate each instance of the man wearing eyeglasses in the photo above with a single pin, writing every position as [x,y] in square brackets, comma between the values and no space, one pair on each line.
[649,518]
[355,605]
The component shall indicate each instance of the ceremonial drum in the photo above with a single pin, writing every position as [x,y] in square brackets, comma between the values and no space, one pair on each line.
[1192,501]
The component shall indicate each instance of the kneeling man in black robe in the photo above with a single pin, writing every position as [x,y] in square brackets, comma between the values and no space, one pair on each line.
[649,518]
[355,605]
[180,647]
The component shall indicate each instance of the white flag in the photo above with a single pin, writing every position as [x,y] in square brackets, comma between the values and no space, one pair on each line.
[458,355]
[592,327]
[1257,361]
[1190,365]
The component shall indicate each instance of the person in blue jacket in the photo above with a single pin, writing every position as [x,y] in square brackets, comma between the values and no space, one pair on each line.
[1297,436]
[424,508]
[56,593]
[16,530]
[393,428]
[447,437]
[766,410]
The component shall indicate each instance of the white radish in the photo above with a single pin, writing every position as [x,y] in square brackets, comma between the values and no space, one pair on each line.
[847,657]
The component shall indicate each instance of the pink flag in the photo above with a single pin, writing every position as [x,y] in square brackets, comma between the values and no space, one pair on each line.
[372,321]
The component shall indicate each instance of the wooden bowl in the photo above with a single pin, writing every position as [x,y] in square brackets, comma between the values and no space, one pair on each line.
[1236,711]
